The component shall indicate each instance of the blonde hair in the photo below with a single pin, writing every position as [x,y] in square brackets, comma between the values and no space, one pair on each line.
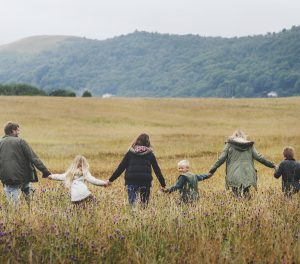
[238,134]
[79,166]
[288,152]
[184,163]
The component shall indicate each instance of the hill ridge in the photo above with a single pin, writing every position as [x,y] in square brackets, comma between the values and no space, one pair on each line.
[162,65]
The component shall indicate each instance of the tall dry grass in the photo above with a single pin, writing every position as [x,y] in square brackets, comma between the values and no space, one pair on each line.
[218,229]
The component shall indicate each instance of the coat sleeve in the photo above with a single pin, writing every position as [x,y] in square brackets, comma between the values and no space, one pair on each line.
[34,159]
[260,158]
[178,185]
[278,171]
[122,166]
[222,158]
[297,172]
[202,177]
[91,179]
[157,171]
[58,177]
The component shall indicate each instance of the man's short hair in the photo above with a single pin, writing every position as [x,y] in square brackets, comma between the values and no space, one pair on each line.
[9,127]
[184,163]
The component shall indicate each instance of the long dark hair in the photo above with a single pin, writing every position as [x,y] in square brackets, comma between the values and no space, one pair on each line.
[142,140]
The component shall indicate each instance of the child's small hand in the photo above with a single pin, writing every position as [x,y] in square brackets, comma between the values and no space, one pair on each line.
[108,183]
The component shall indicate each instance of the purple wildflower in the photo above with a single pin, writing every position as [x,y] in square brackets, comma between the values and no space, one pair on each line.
[2,234]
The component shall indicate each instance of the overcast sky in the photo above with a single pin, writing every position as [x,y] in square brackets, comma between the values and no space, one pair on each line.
[101,19]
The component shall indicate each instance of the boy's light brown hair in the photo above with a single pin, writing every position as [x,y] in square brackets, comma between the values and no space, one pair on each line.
[289,153]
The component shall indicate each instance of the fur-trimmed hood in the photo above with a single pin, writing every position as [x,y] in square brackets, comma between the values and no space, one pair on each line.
[240,144]
[140,150]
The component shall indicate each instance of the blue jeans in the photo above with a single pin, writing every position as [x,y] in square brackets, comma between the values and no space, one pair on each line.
[13,192]
[135,190]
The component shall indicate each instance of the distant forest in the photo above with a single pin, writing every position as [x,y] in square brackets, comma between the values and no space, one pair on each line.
[21,89]
[163,65]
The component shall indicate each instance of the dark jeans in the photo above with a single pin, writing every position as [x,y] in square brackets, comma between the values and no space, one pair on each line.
[135,190]
[290,188]
[240,192]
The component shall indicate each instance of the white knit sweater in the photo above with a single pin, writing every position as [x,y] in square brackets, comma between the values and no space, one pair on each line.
[79,191]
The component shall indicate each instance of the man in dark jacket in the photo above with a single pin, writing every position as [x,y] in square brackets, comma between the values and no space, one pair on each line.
[17,161]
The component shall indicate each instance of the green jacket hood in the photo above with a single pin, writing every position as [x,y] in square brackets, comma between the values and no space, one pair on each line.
[240,145]
[187,174]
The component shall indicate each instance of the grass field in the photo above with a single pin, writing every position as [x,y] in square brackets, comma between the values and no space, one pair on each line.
[218,229]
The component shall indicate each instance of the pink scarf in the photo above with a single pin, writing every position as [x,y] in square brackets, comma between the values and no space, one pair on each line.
[139,149]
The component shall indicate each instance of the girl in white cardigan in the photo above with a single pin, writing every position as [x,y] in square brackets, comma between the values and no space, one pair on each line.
[75,178]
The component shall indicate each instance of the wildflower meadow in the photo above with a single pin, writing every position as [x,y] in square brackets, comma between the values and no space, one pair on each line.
[217,229]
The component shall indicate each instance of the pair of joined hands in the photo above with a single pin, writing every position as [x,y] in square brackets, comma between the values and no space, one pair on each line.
[107,183]
[164,189]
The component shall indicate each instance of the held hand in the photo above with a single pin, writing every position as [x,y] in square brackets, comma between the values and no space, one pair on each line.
[164,189]
[46,175]
[108,183]
[210,174]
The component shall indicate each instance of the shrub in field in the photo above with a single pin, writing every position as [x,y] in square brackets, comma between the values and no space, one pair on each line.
[64,93]
[87,94]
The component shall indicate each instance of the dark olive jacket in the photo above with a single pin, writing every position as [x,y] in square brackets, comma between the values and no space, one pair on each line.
[187,184]
[17,161]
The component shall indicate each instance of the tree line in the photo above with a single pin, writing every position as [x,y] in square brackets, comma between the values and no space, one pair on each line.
[30,90]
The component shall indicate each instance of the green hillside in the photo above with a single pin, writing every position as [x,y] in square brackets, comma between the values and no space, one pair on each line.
[34,44]
[152,64]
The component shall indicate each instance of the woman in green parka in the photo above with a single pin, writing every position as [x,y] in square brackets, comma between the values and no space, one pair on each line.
[239,154]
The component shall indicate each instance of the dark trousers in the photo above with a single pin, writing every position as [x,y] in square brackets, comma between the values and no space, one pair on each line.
[290,188]
[240,192]
[134,191]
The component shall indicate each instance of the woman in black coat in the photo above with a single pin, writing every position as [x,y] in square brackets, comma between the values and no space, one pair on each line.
[138,163]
